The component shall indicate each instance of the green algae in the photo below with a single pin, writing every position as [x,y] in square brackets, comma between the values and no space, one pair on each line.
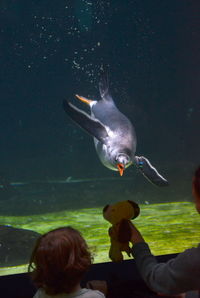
[168,228]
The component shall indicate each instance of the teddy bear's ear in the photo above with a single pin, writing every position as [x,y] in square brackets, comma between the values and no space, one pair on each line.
[105,208]
[106,214]
[136,209]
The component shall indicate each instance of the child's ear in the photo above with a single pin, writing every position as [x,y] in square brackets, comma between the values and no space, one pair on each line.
[124,231]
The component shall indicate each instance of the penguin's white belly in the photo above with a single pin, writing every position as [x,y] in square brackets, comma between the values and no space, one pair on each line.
[121,139]
[105,155]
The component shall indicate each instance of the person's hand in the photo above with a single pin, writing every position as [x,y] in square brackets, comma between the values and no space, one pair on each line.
[136,236]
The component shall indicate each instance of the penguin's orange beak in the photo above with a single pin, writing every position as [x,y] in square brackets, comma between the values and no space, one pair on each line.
[120,167]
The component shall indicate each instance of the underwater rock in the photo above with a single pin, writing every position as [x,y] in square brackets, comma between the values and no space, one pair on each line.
[16,245]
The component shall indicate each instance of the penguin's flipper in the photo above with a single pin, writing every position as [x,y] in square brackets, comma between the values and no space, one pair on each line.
[85,121]
[145,167]
[104,87]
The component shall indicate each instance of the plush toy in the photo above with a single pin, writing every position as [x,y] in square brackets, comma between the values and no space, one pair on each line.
[119,215]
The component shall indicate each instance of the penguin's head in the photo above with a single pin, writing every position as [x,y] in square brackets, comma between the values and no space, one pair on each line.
[122,162]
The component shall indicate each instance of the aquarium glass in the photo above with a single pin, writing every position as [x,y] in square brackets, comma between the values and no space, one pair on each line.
[50,174]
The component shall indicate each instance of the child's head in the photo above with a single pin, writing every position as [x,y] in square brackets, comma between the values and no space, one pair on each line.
[59,260]
[196,188]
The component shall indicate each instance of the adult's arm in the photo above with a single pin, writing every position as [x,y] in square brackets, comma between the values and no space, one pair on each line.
[176,276]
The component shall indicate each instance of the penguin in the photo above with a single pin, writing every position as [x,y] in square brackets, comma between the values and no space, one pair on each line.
[114,135]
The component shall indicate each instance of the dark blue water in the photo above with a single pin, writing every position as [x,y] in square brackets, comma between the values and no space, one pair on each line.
[51,50]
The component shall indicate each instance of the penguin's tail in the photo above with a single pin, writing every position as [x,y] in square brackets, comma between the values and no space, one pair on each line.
[104,85]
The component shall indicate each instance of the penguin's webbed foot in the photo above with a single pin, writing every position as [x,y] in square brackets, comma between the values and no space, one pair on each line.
[145,167]
[83,99]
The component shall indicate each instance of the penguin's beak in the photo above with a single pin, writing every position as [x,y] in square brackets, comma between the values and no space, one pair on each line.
[120,167]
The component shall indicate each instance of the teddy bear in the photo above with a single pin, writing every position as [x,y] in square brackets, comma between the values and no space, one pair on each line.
[119,215]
